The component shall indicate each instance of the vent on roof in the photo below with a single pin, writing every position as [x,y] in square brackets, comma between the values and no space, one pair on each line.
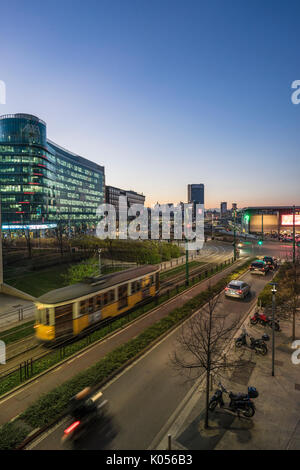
[96,280]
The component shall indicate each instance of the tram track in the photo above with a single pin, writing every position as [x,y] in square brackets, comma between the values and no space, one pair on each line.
[43,351]
[31,348]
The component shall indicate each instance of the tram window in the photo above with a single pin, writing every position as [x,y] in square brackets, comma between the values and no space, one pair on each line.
[83,307]
[111,295]
[91,304]
[105,298]
[135,286]
[47,316]
[98,301]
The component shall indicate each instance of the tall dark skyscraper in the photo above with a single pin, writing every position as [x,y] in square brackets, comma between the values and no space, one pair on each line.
[196,193]
[223,208]
[195,196]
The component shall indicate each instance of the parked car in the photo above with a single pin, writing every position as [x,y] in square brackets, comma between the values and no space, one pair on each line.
[271,262]
[259,267]
[237,289]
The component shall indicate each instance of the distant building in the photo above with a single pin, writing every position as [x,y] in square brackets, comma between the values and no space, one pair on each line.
[196,193]
[195,196]
[112,197]
[41,183]
[223,209]
[234,206]
[270,219]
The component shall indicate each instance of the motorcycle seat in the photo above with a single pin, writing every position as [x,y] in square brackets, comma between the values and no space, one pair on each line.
[238,396]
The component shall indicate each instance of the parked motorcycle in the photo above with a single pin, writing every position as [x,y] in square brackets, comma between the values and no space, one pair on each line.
[239,402]
[262,319]
[258,345]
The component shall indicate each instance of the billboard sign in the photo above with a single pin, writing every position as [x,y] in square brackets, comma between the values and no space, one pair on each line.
[287,219]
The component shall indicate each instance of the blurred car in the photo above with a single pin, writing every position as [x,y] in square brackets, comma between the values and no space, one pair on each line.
[271,262]
[259,267]
[237,289]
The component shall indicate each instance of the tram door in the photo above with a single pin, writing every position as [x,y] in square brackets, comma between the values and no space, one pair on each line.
[63,320]
[122,297]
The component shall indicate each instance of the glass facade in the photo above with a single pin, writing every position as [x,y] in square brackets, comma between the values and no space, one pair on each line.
[196,193]
[42,183]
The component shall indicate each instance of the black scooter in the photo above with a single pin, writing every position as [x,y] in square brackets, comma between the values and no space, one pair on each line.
[239,402]
[258,345]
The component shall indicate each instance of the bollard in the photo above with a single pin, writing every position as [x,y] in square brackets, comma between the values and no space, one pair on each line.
[169,442]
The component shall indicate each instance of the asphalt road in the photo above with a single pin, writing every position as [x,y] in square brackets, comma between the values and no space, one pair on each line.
[144,396]
[269,248]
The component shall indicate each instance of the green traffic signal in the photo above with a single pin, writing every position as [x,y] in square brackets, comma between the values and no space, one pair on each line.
[260,242]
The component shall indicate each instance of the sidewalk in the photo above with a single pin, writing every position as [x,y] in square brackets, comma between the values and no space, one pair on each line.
[276,423]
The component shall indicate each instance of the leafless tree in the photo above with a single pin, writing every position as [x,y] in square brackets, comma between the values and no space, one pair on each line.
[61,232]
[201,344]
[27,236]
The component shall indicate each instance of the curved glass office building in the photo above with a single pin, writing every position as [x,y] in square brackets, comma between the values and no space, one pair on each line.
[41,183]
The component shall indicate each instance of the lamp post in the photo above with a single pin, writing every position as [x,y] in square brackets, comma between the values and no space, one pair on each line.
[294,236]
[99,252]
[274,290]
[1,260]
[186,266]
[234,236]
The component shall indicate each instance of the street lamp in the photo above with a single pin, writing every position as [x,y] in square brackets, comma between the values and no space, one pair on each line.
[274,290]
[186,265]
[294,236]
[99,252]
[234,236]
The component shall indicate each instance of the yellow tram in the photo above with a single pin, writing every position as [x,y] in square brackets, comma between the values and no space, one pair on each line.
[66,312]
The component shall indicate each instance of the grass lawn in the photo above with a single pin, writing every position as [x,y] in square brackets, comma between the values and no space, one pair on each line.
[38,283]
[16,333]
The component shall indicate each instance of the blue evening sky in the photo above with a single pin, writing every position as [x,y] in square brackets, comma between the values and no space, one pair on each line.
[164,92]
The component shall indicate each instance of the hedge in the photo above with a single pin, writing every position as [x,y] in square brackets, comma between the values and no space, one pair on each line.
[283,294]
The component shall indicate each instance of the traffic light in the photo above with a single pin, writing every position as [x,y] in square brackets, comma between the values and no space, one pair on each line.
[260,242]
